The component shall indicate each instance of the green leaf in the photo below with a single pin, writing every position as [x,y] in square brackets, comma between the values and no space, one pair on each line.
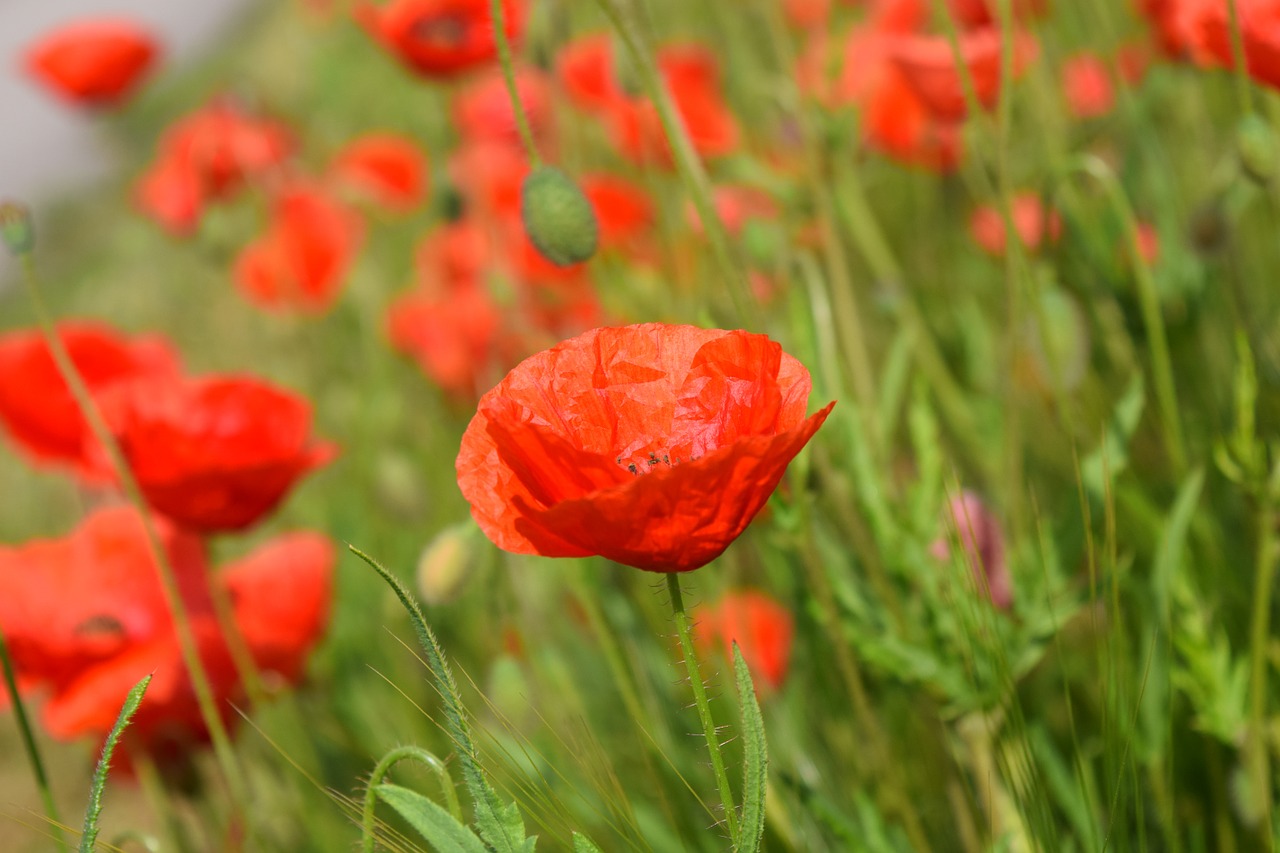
[441,830]
[755,771]
[89,835]
[1114,449]
[500,826]
[582,844]
[1173,542]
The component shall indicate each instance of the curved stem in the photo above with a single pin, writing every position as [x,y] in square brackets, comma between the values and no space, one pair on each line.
[509,75]
[687,163]
[380,771]
[168,577]
[684,629]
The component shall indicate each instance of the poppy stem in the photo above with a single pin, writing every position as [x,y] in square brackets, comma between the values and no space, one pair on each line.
[1238,58]
[687,163]
[684,628]
[499,16]
[32,749]
[168,577]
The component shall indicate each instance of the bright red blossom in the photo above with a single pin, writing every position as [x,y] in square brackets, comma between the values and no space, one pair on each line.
[440,38]
[1034,222]
[302,261]
[36,406]
[1087,86]
[651,445]
[482,109]
[217,453]
[94,62]
[762,628]
[928,65]
[385,168]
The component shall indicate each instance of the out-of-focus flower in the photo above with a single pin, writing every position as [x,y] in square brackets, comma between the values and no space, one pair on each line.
[807,14]
[216,453]
[94,62]
[1148,243]
[1087,86]
[37,409]
[737,205]
[587,70]
[206,155]
[302,261]
[92,619]
[624,210]
[1206,26]
[440,38]
[762,628]
[1034,223]
[482,109]
[928,65]
[651,445]
[971,524]
[447,563]
[385,168]
[984,13]
[453,337]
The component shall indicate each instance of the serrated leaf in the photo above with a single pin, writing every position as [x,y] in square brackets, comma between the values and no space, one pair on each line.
[755,770]
[432,822]
[500,826]
[582,844]
[89,835]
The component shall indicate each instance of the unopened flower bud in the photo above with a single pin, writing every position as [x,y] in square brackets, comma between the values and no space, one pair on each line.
[16,228]
[1256,145]
[558,217]
[448,562]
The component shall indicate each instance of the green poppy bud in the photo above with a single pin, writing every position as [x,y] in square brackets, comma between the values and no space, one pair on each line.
[448,562]
[16,229]
[1256,144]
[557,217]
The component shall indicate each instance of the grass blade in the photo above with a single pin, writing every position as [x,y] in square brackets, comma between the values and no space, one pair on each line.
[755,771]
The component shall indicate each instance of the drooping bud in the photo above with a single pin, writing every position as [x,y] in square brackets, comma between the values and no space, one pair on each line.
[1256,145]
[558,217]
[448,562]
[16,228]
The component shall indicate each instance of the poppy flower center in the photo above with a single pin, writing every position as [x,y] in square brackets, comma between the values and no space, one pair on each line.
[442,32]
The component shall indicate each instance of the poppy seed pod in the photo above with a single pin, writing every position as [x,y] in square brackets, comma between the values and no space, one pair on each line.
[16,229]
[558,217]
[1256,146]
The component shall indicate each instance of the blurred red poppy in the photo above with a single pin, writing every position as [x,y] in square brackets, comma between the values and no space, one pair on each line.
[217,453]
[928,65]
[807,14]
[93,620]
[1087,86]
[452,337]
[207,155]
[624,211]
[1034,222]
[302,261]
[651,445]
[482,109]
[385,168]
[1208,30]
[94,62]
[36,406]
[970,524]
[761,627]
[440,38]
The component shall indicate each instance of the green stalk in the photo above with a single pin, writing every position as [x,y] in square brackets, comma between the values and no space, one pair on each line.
[1259,760]
[168,577]
[684,629]
[32,749]
[687,163]
[509,75]
[1238,58]
[367,820]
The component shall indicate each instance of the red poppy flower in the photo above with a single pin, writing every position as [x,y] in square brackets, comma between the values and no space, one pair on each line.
[1087,86]
[651,445]
[104,589]
[67,604]
[482,109]
[1208,26]
[807,14]
[737,205]
[387,169]
[36,406]
[624,211]
[1033,221]
[93,62]
[928,65]
[899,125]
[585,69]
[205,155]
[978,532]
[761,627]
[217,453]
[440,38]
[302,261]
[451,337]
[452,257]
[983,13]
